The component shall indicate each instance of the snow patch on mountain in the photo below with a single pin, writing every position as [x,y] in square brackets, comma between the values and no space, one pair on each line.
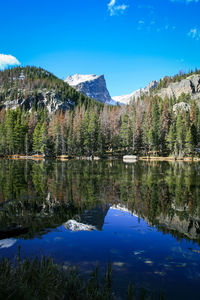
[126,99]
[76,79]
[123,208]
[93,86]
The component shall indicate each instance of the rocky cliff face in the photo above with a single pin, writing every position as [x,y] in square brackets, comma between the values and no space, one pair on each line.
[92,86]
[46,99]
[126,99]
[190,85]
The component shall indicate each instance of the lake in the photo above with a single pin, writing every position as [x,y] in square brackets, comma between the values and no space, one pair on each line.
[144,218]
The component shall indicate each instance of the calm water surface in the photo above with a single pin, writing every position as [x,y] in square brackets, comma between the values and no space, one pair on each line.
[144,218]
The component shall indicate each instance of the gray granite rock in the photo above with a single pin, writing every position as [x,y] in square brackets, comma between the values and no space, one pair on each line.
[180,107]
[190,85]
[126,99]
[48,99]
[91,85]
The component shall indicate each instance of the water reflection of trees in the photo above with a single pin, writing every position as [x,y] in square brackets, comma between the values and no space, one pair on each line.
[45,194]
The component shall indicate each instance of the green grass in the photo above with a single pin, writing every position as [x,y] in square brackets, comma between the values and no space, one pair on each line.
[40,278]
[43,279]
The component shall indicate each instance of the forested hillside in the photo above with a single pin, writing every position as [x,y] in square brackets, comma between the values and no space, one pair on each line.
[34,88]
[148,126]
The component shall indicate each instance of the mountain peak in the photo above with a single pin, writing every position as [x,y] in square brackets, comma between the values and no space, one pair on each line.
[75,79]
[93,86]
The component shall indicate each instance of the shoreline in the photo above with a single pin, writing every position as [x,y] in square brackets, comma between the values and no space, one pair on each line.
[169,158]
[96,158]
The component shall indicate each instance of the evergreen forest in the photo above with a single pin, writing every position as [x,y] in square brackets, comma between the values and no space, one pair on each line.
[147,126]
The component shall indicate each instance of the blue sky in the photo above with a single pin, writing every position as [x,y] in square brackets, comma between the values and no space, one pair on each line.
[131,42]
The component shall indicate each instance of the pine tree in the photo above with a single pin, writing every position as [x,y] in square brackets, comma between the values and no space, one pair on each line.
[138,127]
[57,140]
[100,142]
[146,141]
[20,129]
[92,134]
[3,145]
[165,123]
[44,141]
[36,139]
[189,142]
[124,133]
[150,139]
[70,144]
[26,144]
[171,139]
[156,125]
[9,130]
[180,131]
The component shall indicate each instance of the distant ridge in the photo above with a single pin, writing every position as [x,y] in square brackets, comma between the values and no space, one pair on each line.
[126,99]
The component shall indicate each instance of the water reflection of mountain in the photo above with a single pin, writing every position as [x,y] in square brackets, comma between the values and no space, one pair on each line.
[94,216]
[176,225]
[43,195]
[180,228]
[89,219]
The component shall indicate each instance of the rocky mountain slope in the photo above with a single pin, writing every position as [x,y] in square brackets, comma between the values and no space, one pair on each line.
[190,85]
[32,87]
[92,86]
[95,87]
[125,99]
[44,98]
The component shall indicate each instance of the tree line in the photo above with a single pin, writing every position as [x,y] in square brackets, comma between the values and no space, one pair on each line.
[146,126]
[166,80]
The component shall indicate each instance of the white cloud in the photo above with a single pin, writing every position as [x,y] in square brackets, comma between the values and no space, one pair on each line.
[112,3]
[115,9]
[140,22]
[194,33]
[141,25]
[7,60]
